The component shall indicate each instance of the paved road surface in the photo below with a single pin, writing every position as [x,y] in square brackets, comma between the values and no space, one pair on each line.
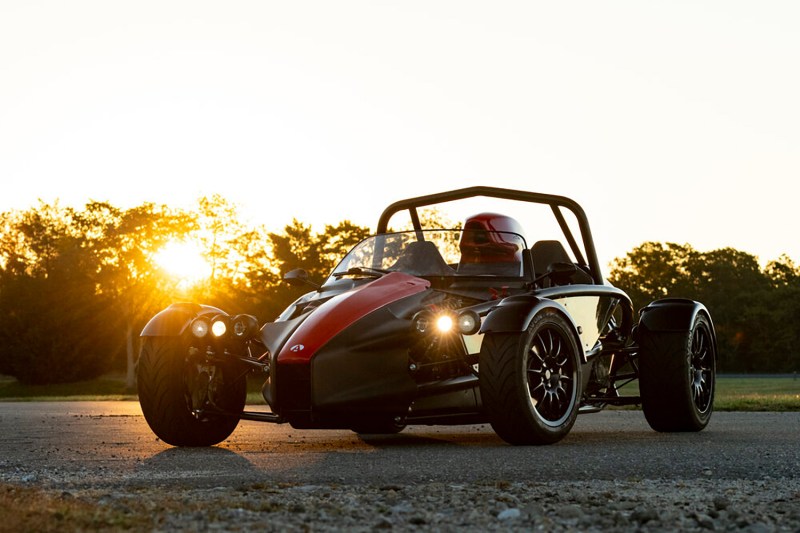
[96,444]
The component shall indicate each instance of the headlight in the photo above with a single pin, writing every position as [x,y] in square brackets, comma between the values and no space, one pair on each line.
[240,327]
[200,327]
[469,323]
[444,323]
[220,326]
[421,322]
[244,326]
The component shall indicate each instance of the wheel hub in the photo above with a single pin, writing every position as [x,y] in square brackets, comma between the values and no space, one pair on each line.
[551,379]
[551,375]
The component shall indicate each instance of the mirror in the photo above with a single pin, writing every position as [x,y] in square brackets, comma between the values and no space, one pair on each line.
[299,276]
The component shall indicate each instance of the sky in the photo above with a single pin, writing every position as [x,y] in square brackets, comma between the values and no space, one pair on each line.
[667,121]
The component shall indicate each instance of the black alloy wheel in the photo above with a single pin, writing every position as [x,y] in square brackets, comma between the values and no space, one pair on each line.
[530,382]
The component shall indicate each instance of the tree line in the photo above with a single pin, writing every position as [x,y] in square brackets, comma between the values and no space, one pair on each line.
[78,285]
[755,310]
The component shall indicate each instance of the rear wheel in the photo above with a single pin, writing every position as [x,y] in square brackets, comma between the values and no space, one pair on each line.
[177,385]
[530,382]
[677,376]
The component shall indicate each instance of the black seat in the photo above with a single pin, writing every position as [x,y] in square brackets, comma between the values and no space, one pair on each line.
[422,258]
[546,253]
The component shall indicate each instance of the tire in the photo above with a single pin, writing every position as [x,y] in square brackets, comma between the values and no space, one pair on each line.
[530,382]
[172,382]
[677,376]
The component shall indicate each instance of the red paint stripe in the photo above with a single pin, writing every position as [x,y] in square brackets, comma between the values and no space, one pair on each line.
[330,318]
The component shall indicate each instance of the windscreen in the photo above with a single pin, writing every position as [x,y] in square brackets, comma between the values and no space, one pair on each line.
[438,253]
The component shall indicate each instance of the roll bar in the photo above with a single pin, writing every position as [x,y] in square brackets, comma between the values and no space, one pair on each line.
[556,203]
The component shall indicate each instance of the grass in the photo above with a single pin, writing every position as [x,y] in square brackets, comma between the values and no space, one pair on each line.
[733,393]
[772,393]
[110,387]
[758,394]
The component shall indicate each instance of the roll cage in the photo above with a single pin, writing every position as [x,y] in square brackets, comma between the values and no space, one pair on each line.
[556,204]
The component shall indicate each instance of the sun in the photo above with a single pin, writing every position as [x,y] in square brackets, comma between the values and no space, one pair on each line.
[184,261]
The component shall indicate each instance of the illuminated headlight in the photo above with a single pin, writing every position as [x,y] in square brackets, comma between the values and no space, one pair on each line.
[244,326]
[219,326]
[469,323]
[465,323]
[200,327]
[444,323]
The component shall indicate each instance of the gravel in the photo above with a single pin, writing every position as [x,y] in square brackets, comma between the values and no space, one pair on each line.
[762,506]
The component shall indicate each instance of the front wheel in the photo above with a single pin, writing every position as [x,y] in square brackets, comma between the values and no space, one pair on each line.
[677,376]
[176,385]
[530,381]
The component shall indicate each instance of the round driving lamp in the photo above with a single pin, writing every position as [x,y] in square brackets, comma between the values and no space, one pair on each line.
[421,322]
[200,327]
[469,323]
[220,326]
[444,323]
[244,326]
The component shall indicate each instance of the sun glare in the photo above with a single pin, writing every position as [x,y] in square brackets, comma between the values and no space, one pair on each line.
[183,260]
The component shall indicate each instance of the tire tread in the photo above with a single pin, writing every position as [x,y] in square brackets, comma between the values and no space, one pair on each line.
[664,383]
[161,395]
[505,394]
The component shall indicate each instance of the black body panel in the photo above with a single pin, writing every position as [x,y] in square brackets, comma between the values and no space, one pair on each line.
[365,367]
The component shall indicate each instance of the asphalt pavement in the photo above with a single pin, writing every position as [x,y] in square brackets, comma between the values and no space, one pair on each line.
[97,444]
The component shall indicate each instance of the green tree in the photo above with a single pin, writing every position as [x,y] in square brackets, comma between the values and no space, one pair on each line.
[731,285]
[53,324]
[750,307]
[783,311]
[298,246]
[246,276]
[126,243]
[653,270]
[77,285]
[337,240]
[783,271]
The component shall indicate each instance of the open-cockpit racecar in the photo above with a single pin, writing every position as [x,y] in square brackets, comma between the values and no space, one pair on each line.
[438,326]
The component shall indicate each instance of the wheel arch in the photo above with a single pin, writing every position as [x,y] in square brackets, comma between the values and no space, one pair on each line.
[515,313]
[674,314]
[174,320]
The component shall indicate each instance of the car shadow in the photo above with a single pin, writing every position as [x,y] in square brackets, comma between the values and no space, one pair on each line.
[440,436]
[202,466]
